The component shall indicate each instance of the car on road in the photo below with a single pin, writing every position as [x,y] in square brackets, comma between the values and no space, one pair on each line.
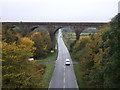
[60,36]
[67,62]
[31,59]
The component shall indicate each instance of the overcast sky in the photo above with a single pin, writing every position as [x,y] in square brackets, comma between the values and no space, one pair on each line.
[58,10]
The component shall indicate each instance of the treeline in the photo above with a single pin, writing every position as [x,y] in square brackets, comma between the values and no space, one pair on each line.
[99,56]
[17,70]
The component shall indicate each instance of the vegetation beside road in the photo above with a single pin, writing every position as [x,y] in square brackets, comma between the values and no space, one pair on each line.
[78,76]
[47,75]
[17,70]
[51,57]
[98,57]
[42,43]
[48,68]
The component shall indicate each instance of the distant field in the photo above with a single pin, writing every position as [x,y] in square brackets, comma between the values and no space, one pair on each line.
[85,34]
[72,36]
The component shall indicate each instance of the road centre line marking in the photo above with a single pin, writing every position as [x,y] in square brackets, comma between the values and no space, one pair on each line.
[64,80]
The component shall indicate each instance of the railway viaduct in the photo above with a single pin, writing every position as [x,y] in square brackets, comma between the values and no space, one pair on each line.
[53,27]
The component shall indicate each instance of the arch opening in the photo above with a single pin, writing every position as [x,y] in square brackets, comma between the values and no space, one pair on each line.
[38,29]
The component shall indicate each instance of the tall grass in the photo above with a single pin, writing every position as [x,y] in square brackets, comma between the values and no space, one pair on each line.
[78,75]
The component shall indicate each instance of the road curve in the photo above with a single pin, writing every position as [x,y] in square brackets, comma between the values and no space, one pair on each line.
[63,76]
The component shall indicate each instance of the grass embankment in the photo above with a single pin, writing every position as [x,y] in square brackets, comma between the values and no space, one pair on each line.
[49,68]
[78,76]
[50,57]
[48,74]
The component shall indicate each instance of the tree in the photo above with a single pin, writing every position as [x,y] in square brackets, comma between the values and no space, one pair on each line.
[42,44]
[94,61]
[111,59]
[17,70]
[100,63]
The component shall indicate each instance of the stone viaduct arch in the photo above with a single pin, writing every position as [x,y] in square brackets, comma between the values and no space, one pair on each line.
[53,27]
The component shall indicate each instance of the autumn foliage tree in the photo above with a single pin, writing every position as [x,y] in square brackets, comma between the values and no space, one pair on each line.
[78,47]
[17,71]
[100,61]
[42,44]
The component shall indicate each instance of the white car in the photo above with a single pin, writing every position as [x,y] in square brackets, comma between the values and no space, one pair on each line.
[31,59]
[67,62]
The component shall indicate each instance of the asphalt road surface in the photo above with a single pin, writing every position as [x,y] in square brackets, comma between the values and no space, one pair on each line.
[63,76]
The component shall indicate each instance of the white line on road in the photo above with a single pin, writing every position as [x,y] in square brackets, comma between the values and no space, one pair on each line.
[50,84]
[76,83]
[64,81]
[51,78]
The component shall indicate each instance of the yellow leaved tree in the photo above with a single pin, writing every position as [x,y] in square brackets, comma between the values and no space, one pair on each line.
[18,71]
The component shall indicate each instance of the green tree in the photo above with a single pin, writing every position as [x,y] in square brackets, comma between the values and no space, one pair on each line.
[42,44]
[100,63]
[111,56]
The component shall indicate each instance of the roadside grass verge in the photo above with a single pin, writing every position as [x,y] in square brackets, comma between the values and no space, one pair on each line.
[51,57]
[49,68]
[48,74]
[78,75]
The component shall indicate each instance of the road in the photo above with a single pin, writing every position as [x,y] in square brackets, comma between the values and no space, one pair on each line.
[63,76]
